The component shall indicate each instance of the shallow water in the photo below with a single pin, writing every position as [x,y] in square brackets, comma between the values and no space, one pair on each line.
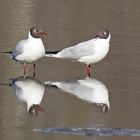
[68,23]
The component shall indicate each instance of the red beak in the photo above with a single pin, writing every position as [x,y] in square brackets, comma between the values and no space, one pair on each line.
[43,33]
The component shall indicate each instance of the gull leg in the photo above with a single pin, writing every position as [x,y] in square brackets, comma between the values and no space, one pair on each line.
[25,69]
[88,71]
[34,70]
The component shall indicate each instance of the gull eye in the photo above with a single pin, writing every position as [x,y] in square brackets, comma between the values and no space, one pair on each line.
[36,30]
[104,33]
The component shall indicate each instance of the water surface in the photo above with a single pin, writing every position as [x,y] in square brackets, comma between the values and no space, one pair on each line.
[68,23]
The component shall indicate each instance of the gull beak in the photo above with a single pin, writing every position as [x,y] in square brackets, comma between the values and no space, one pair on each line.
[43,33]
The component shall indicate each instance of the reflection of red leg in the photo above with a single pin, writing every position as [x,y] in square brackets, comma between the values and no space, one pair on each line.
[25,69]
[88,70]
[34,70]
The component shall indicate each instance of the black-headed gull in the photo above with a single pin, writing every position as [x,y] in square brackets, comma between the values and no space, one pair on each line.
[88,52]
[88,89]
[30,91]
[29,50]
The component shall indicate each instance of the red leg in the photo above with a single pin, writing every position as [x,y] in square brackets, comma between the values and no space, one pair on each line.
[25,69]
[34,70]
[88,70]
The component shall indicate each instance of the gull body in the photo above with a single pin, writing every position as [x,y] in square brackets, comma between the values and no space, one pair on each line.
[88,52]
[31,49]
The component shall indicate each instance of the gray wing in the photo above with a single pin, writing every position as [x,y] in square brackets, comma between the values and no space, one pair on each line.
[79,50]
[19,48]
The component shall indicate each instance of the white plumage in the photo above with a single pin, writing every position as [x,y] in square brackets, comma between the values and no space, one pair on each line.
[88,52]
[29,50]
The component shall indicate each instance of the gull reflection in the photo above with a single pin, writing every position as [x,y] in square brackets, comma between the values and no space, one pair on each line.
[30,91]
[88,89]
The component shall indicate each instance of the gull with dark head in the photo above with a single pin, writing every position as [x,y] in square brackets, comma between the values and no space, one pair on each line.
[88,52]
[29,50]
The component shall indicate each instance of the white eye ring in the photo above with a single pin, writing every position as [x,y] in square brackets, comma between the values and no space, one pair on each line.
[36,30]
[104,33]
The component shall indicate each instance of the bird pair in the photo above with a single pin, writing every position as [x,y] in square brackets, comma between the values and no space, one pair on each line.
[31,49]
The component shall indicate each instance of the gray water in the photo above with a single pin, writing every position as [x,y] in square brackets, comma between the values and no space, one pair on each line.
[68,23]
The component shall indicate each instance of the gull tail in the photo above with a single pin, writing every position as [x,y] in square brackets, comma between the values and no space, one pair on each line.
[51,53]
[52,84]
[9,52]
[5,84]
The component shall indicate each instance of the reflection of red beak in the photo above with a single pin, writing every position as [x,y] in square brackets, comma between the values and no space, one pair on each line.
[35,109]
[41,109]
[43,33]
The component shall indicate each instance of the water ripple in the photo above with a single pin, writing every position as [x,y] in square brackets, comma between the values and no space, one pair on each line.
[92,131]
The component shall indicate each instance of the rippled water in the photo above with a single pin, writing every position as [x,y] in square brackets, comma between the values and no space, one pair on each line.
[68,23]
